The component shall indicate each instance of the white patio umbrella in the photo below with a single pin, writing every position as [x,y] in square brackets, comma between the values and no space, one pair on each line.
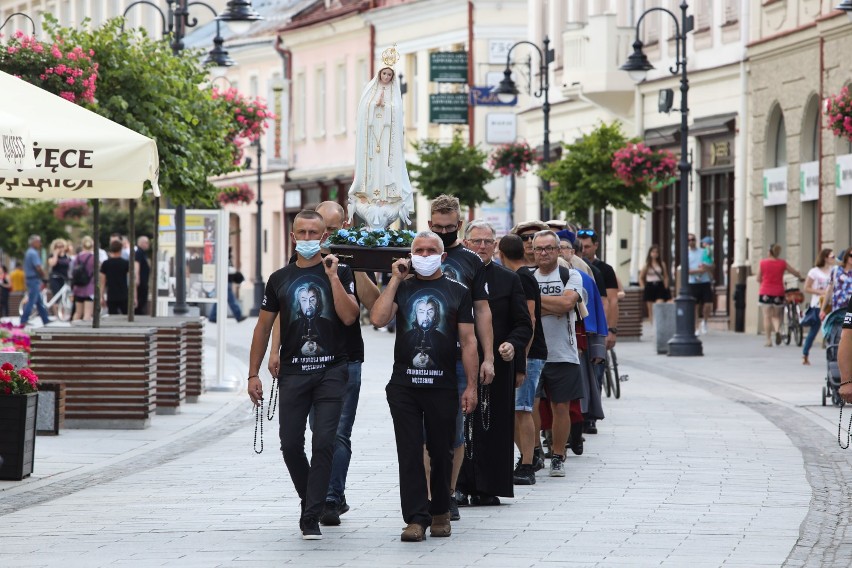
[53,148]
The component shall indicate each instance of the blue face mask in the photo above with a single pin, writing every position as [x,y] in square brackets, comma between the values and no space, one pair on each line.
[326,244]
[308,249]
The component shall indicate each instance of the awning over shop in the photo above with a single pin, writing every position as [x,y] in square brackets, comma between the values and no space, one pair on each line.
[52,148]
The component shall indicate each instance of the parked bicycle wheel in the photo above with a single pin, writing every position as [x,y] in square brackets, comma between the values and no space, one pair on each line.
[612,369]
[608,382]
[65,306]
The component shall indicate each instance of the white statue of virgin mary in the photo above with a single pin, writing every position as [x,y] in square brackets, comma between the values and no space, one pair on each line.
[381,191]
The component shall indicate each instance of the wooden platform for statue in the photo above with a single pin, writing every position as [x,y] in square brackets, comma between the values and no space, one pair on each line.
[369,259]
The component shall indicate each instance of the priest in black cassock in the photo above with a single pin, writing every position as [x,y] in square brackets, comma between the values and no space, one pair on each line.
[487,470]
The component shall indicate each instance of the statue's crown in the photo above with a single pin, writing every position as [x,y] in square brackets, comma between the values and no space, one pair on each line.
[390,56]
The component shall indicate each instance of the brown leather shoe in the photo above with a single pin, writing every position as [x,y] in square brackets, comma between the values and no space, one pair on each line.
[414,532]
[441,525]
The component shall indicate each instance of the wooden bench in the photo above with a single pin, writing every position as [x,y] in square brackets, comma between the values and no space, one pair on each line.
[109,373]
[171,357]
[195,386]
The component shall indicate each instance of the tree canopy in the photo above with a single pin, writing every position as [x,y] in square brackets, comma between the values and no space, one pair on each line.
[453,169]
[142,85]
[584,177]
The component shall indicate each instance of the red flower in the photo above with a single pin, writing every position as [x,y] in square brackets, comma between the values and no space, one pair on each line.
[7,366]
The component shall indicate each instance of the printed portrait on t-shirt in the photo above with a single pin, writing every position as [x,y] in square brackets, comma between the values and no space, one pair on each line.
[425,330]
[309,323]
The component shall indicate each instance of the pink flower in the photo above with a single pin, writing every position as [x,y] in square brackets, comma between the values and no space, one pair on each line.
[7,366]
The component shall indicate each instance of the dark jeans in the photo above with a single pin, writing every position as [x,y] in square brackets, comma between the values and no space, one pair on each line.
[298,394]
[412,409]
[343,445]
[232,303]
[117,307]
[141,301]
[34,300]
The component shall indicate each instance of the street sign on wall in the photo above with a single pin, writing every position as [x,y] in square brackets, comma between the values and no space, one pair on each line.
[809,181]
[501,127]
[775,186]
[448,108]
[448,66]
[843,175]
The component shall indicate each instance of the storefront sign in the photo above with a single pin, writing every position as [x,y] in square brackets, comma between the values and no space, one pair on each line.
[775,186]
[717,152]
[485,96]
[501,127]
[809,181]
[448,108]
[448,66]
[843,175]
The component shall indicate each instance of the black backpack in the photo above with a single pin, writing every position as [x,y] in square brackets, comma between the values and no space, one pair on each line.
[80,275]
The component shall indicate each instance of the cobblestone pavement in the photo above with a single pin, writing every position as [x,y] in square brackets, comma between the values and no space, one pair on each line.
[724,460]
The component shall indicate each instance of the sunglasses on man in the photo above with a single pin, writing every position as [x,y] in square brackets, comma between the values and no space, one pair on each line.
[586,233]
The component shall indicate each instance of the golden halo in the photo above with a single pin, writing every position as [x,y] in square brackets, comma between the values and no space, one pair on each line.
[390,56]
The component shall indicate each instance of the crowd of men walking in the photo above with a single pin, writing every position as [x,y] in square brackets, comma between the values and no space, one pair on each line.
[495,343]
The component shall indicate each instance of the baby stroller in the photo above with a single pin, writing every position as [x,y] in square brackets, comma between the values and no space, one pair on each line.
[831,329]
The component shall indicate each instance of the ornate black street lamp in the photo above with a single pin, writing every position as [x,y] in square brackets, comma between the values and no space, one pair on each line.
[507,91]
[684,342]
[846,6]
[239,15]
[21,14]
[258,245]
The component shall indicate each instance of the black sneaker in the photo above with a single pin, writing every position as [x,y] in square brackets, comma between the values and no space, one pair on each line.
[590,427]
[454,506]
[538,460]
[547,443]
[310,528]
[524,475]
[343,508]
[330,516]
[576,438]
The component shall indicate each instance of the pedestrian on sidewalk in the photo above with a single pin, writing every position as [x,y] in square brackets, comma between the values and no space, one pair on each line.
[5,288]
[526,435]
[315,300]
[561,379]
[816,284]
[84,294]
[114,286]
[35,279]
[700,284]
[366,292]
[465,266]
[654,280]
[435,315]
[770,276]
[486,473]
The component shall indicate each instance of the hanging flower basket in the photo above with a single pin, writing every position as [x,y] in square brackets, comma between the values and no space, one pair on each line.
[637,164]
[65,71]
[71,209]
[838,111]
[250,116]
[515,158]
[238,195]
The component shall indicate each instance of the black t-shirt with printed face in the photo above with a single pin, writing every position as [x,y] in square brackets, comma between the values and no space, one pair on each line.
[538,349]
[847,319]
[427,318]
[310,328]
[465,266]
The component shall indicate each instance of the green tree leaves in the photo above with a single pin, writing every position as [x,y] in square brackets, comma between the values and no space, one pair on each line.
[455,169]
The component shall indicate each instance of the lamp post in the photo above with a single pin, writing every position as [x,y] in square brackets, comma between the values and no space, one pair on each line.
[845,6]
[239,15]
[507,91]
[258,245]
[21,14]
[683,343]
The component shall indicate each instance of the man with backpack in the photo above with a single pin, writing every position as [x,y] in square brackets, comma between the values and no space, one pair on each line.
[560,379]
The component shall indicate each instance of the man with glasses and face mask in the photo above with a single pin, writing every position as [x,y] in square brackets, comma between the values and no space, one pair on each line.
[366,292]
[486,473]
[313,368]
[422,392]
[466,267]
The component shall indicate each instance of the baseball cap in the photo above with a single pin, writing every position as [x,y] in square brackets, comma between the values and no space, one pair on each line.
[566,234]
[707,241]
[527,225]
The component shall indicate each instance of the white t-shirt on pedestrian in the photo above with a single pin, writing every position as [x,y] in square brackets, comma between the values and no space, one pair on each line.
[559,330]
[821,280]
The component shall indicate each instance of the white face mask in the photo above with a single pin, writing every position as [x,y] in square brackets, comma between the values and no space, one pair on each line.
[426,265]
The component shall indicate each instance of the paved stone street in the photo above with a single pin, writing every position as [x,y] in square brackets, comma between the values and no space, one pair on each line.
[724,460]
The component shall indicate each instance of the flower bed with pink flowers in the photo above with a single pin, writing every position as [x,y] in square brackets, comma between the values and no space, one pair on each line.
[637,164]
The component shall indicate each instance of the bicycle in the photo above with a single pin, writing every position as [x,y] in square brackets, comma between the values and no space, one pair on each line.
[612,380]
[793,299]
[63,300]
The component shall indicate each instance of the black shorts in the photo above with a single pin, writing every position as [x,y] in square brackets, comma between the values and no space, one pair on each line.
[560,382]
[767,300]
[656,291]
[702,292]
